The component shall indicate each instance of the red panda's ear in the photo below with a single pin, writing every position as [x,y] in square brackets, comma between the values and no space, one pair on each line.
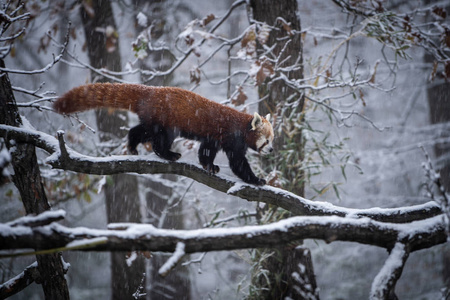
[256,121]
[267,117]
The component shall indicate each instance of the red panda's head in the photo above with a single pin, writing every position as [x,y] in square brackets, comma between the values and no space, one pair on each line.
[262,132]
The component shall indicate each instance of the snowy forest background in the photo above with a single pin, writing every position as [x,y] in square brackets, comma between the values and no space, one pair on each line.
[370,112]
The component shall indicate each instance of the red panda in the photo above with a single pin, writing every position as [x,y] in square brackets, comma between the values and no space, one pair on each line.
[168,112]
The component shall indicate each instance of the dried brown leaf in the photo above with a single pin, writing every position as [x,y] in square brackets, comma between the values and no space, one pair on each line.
[195,75]
[88,7]
[263,34]
[286,26]
[440,12]
[73,33]
[361,96]
[250,36]
[265,70]
[372,79]
[111,44]
[208,19]
[447,70]
[240,97]
[434,70]
[446,37]
[328,74]
[273,180]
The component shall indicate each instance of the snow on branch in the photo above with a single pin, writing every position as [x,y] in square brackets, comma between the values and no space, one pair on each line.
[173,260]
[67,159]
[34,137]
[20,281]
[384,283]
[43,219]
[8,18]
[53,237]
[144,237]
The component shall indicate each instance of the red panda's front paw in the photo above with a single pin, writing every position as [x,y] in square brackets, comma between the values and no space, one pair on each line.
[173,156]
[261,181]
[212,169]
[132,151]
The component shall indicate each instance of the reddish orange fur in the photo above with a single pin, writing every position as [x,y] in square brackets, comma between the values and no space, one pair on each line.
[169,106]
[167,112]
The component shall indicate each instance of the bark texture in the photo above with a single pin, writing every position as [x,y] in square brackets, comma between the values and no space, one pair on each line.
[122,198]
[27,178]
[283,16]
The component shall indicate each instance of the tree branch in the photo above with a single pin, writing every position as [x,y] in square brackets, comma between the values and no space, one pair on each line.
[144,237]
[20,282]
[384,283]
[49,65]
[74,161]
[42,219]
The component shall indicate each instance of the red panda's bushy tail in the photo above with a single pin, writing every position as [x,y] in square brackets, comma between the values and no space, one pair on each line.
[100,95]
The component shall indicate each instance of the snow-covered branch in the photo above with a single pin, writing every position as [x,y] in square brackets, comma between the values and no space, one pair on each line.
[31,273]
[9,18]
[384,282]
[74,161]
[143,237]
[55,60]
[403,29]
[20,281]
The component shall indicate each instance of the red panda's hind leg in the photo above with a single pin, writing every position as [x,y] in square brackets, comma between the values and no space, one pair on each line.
[138,134]
[162,140]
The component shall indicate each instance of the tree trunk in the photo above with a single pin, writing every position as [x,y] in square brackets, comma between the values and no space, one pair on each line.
[27,178]
[176,285]
[122,197]
[438,92]
[283,265]
[279,94]
[439,104]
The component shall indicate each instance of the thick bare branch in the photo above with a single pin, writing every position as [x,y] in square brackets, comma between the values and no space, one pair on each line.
[77,162]
[36,138]
[144,237]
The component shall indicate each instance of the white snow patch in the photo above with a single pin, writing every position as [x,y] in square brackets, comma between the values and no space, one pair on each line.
[85,243]
[65,264]
[5,158]
[141,54]
[393,263]
[7,230]
[236,188]
[26,124]
[131,258]
[101,184]
[43,216]
[142,19]
[173,260]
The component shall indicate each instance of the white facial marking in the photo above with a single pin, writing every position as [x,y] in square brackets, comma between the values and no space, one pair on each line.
[264,143]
